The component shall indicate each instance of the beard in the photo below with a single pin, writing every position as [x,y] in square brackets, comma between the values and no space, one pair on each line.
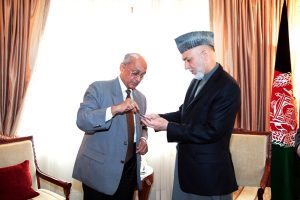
[199,75]
[200,72]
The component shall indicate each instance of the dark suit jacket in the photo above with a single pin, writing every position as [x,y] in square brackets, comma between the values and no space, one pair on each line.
[203,130]
[297,139]
[100,160]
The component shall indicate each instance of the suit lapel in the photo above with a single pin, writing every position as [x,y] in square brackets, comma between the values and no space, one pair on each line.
[206,88]
[138,100]
[117,97]
[116,92]
[188,94]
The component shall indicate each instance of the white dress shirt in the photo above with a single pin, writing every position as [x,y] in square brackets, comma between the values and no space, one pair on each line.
[108,115]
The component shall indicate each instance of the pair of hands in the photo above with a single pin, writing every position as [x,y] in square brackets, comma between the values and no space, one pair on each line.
[125,106]
[155,121]
[152,120]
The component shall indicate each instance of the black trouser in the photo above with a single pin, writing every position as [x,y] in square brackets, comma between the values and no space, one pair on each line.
[126,187]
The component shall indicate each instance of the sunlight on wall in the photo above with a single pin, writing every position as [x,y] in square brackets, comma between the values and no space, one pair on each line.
[85,41]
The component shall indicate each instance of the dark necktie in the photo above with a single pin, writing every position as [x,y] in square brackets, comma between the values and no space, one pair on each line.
[130,126]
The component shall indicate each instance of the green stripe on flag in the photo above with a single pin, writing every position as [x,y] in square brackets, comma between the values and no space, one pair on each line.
[285,173]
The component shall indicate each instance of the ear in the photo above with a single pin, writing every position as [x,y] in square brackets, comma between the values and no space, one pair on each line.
[122,67]
[205,53]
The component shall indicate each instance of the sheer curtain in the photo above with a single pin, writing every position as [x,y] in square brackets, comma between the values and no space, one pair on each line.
[246,45]
[85,41]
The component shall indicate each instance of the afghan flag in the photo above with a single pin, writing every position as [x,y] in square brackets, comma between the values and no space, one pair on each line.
[285,168]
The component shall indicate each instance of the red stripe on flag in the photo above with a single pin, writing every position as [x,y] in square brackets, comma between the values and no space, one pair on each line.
[283,113]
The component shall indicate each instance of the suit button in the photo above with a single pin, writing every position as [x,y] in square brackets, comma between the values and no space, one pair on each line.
[125,143]
[122,161]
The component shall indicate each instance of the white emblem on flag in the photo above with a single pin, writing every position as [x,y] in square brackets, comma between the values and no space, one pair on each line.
[283,112]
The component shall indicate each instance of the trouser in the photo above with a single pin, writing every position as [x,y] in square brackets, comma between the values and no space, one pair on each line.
[178,194]
[125,189]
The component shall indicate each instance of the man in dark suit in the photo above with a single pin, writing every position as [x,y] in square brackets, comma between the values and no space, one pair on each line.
[297,148]
[108,161]
[297,142]
[203,124]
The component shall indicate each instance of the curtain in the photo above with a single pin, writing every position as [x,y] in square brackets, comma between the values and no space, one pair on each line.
[21,24]
[246,40]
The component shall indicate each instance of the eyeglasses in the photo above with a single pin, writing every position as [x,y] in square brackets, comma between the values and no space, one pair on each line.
[136,74]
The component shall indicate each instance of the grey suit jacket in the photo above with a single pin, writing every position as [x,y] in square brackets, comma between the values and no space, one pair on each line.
[100,160]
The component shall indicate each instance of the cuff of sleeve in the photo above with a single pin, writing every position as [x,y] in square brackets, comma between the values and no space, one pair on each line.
[108,114]
[143,138]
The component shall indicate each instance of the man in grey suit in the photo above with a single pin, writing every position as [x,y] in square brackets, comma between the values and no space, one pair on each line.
[105,164]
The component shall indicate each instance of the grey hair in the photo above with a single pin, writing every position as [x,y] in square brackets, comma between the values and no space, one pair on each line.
[129,58]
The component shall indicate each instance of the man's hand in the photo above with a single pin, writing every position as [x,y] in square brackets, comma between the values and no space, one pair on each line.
[142,147]
[125,106]
[155,122]
[152,116]
[298,150]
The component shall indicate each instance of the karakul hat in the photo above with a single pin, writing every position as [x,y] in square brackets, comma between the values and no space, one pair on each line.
[190,40]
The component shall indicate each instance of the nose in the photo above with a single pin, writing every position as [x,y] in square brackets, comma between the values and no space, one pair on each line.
[139,78]
[186,65]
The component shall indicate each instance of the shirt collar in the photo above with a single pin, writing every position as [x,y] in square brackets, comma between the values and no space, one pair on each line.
[123,87]
[209,74]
